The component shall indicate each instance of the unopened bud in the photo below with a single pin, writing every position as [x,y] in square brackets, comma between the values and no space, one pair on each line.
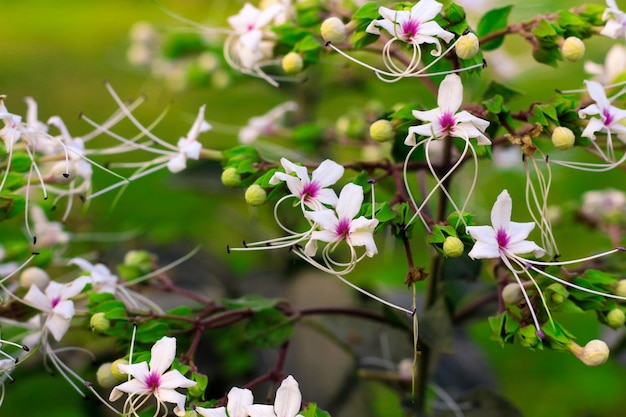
[61,173]
[120,376]
[292,63]
[99,323]
[562,138]
[255,195]
[453,247]
[573,49]
[34,276]
[595,353]
[467,46]
[333,30]
[621,288]
[616,318]
[141,259]
[512,294]
[230,177]
[382,130]
[105,377]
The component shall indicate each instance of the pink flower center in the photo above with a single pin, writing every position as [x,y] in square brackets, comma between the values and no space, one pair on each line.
[55,301]
[447,123]
[153,381]
[343,228]
[309,191]
[608,117]
[409,29]
[502,238]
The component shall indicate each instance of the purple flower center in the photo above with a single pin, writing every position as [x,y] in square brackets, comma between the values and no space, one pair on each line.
[250,27]
[153,381]
[55,301]
[309,191]
[608,117]
[502,238]
[409,29]
[343,228]
[447,122]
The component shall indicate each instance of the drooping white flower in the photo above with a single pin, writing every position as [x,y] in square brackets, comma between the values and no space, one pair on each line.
[238,402]
[414,26]
[287,403]
[56,304]
[341,225]
[100,275]
[188,146]
[615,21]
[311,191]
[266,124]
[154,379]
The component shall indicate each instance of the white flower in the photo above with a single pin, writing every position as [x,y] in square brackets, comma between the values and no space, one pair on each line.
[415,26]
[101,277]
[154,379]
[616,21]
[312,192]
[287,403]
[340,225]
[189,147]
[238,402]
[56,303]
[609,117]
[47,233]
[264,125]
[503,237]
[444,120]
[614,65]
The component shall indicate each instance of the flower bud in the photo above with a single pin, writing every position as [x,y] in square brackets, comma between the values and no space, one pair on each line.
[105,377]
[562,138]
[34,276]
[453,247]
[382,130]
[120,376]
[595,353]
[621,288]
[512,294]
[292,63]
[255,195]
[140,259]
[333,30]
[467,46]
[230,177]
[99,323]
[616,318]
[573,49]
[61,173]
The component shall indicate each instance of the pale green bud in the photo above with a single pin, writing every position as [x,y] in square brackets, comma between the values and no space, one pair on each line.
[99,323]
[105,377]
[621,288]
[467,46]
[382,130]
[595,353]
[453,247]
[512,294]
[120,376]
[230,177]
[34,276]
[255,195]
[139,258]
[573,49]
[557,298]
[333,30]
[292,63]
[562,138]
[616,318]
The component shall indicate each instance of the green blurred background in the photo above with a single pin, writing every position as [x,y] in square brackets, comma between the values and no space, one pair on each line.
[61,52]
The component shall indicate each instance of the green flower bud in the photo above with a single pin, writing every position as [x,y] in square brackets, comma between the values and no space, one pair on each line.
[453,247]
[34,276]
[616,318]
[333,30]
[105,377]
[255,195]
[292,63]
[573,49]
[140,259]
[230,177]
[99,323]
[595,353]
[557,298]
[382,130]
[467,46]
[116,372]
[621,288]
[512,294]
[562,138]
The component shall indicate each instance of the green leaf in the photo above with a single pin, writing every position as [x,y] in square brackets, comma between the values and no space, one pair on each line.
[11,205]
[20,162]
[493,21]
[183,311]
[507,93]
[198,390]
[368,12]
[268,328]
[313,411]
[544,29]
[289,33]
[150,331]
[253,302]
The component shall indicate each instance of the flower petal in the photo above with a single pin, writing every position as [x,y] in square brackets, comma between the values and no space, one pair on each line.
[450,94]
[327,173]
[350,201]
[261,410]
[212,412]
[174,397]
[501,211]
[288,398]
[162,354]
[238,401]
[174,379]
